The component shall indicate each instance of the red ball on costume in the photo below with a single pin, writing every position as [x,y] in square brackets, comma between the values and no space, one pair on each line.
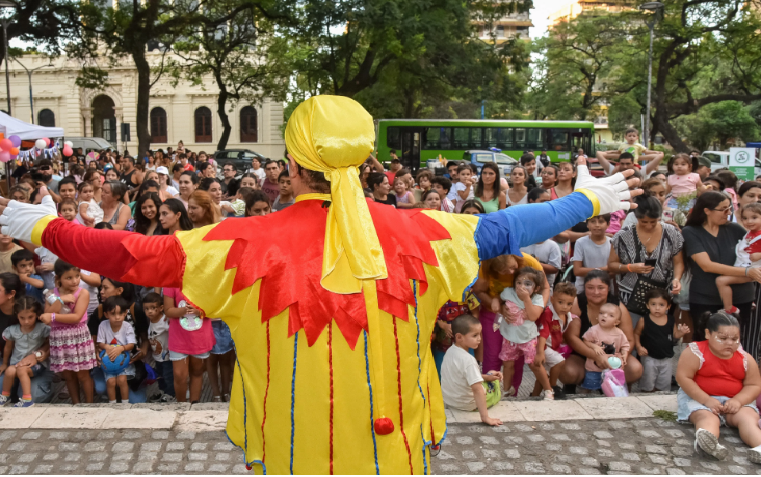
[383,426]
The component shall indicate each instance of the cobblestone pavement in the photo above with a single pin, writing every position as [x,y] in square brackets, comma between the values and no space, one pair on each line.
[644,446]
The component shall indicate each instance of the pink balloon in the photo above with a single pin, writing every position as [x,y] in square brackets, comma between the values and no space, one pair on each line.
[6,144]
[67,151]
[47,141]
[5,156]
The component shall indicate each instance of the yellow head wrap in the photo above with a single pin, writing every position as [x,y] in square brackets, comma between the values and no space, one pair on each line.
[334,135]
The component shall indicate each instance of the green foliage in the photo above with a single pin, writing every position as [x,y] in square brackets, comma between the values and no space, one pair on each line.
[720,123]
[665,415]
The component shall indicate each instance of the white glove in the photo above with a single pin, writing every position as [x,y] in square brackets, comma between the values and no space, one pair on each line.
[610,191]
[18,219]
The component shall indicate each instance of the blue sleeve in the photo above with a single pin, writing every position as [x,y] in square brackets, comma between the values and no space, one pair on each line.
[506,231]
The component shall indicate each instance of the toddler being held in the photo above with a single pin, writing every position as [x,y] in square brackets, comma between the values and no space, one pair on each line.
[605,339]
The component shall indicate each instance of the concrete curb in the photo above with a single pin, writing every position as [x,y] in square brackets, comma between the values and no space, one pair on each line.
[213,416]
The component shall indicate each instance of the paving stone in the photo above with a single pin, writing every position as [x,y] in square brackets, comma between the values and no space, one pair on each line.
[198,456]
[649,433]
[226,446]
[194,467]
[118,467]
[560,469]
[512,453]
[682,451]
[171,457]
[626,446]
[188,435]
[171,468]
[588,471]
[25,458]
[562,458]
[445,467]
[475,467]
[514,440]
[123,446]
[150,446]
[605,453]
[94,446]
[534,467]
[561,437]
[122,456]
[534,437]
[218,468]
[19,469]
[160,435]
[619,424]
[590,461]
[96,467]
[488,440]
[523,428]
[553,447]
[571,426]
[73,457]
[658,459]
[98,456]
[656,450]
[678,461]
[603,435]
[31,435]
[175,446]
[741,460]
[133,435]
[603,443]
[18,447]
[469,455]
[630,456]
[650,470]
[53,456]
[6,435]
[545,426]
[148,457]
[710,466]
[464,440]
[579,450]
[223,456]
[674,432]
[142,468]
[105,435]
[502,465]
[619,466]
[736,469]
[733,440]
[198,446]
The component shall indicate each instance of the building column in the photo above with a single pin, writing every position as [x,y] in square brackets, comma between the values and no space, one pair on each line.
[87,118]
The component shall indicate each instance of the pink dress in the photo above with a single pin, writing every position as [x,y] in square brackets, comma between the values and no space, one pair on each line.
[196,342]
[71,346]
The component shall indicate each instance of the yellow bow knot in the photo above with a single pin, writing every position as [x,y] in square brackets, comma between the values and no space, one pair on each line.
[334,135]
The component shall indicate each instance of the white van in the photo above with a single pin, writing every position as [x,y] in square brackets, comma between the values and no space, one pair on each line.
[720,160]
[89,143]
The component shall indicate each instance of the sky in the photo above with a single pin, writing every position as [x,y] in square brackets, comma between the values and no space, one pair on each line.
[539,14]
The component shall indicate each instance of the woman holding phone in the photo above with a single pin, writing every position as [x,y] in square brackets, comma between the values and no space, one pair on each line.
[646,255]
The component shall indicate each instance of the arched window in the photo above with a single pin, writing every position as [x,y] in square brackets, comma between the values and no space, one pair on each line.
[248,126]
[158,125]
[203,124]
[46,118]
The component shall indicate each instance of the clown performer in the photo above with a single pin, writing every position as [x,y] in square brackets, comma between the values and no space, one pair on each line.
[330,302]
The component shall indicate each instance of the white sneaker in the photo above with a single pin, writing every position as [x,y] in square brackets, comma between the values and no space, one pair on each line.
[709,443]
[754,455]
[548,395]
[510,392]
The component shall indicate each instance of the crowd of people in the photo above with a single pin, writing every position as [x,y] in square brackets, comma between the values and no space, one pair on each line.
[677,274]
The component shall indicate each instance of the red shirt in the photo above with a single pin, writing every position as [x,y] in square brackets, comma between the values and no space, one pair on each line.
[754,247]
[390,176]
[551,328]
[716,376]
[188,167]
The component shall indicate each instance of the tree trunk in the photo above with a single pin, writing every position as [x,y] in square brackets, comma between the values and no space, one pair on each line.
[226,126]
[669,132]
[143,100]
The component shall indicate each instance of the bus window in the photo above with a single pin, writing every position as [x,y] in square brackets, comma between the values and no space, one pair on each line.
[520,139]
[476,140]
[436,138]
[560,140]
[535,139]
[497,137]
[490,137]
[393,138]
[461,138]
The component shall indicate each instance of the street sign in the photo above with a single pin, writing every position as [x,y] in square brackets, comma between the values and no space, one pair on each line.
[742,162]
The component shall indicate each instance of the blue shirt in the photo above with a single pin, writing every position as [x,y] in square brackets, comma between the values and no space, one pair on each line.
[35,292]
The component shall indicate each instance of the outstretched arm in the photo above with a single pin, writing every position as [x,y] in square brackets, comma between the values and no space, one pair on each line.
[506,231]
[149,261]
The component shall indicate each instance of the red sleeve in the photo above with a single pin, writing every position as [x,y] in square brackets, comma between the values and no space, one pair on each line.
[544,322]
[755,247]
[157,261]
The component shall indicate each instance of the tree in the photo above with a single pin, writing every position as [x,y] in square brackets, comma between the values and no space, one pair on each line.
[46,24]
[720,122]
[403,57]
[112,34]
[246,59]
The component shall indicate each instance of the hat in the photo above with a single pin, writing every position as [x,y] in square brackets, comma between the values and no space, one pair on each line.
[704,161]
[395,159]
[162,170]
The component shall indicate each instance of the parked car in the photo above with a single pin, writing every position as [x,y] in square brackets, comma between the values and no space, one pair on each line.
[89,143]
[240,158]
[720,160]
[481,157]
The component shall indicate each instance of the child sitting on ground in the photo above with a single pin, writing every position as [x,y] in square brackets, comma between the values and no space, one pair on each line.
[24,356]
[718,385]
[442,185]
[605,339]
[116,336]
[748,252]
[551,351]
[462,384]
[158,337]
[654,339]
[523,305]
[23,266]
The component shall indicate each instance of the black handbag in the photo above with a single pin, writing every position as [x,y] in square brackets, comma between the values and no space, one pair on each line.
[638,301]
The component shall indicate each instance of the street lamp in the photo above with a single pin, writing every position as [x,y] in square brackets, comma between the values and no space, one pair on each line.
[656,7]
[29,73]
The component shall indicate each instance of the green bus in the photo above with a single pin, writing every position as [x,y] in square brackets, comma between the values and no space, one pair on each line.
[418,140]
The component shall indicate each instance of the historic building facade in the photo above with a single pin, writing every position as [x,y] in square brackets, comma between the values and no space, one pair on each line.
[184,113]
